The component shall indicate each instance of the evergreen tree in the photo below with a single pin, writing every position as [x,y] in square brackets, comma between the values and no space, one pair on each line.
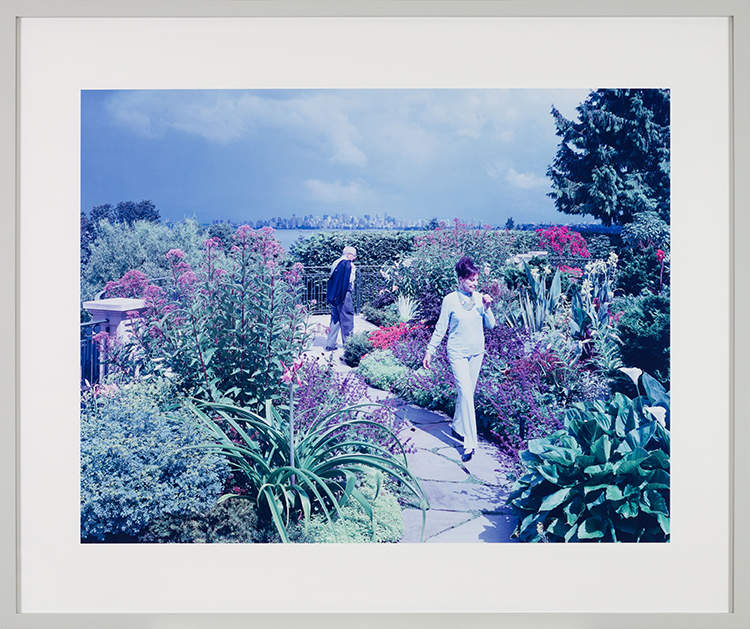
[613,162]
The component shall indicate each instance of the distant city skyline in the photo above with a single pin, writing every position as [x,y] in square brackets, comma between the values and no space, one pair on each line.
[253,155]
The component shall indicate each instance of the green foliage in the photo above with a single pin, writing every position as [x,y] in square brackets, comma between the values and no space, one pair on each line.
[599,246]
[142,246]
[386,524]
[644,328]
[315,472]
[225,333]
[539,302]
[428,274]
[605,477]
[136,465]
[647,230]
[127,212]
[373,247]
[381,369]
[381,317]
[407,308]
[640,269]
[613,162]
[591,324]
[356,346]
[234,521]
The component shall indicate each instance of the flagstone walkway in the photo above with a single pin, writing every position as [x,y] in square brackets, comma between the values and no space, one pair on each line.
[467,500]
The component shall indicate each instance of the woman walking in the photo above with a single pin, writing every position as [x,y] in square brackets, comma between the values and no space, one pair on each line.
[464,314]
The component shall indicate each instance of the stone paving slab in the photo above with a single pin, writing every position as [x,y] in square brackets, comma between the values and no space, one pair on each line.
[428,440]
[418,415]
[435,467]
[482,529]
[467,500]
[437,521]
[466,496]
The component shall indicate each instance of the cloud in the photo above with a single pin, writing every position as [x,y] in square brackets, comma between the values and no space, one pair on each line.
[353,191]
[317,121]
[525,181]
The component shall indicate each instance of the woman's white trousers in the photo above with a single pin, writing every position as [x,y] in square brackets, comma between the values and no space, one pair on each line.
[466,373]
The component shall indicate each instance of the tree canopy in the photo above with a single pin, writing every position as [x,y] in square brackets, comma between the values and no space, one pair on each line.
[613,162]
[127,212]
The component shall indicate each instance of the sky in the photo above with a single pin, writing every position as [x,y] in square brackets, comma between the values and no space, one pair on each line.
[246,155]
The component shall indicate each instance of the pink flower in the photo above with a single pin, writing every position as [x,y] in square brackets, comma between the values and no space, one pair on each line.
[660,255]
[173,255]
[290,373]
[212,243]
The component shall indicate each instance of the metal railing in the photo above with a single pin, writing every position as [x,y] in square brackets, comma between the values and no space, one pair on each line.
[92,368]
[367,284]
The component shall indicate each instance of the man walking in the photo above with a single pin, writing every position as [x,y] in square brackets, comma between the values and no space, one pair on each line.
[339,295]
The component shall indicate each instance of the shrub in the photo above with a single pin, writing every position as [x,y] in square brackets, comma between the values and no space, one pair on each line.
[604,477]
[385,525]
[142,246]
[562,243]
[385,338]
[235,521]
[647,231]
[428,274]
[356,346]
[381,370]
[641,269]
[225,328]
[380,316]
[373,247]
[323,391]
[292,472]
[135,461]
[644,329]
[599,246]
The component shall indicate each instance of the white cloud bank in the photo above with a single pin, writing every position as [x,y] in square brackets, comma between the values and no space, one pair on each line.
[337,192]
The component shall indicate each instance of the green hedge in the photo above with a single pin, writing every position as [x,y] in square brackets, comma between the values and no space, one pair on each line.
[373,247]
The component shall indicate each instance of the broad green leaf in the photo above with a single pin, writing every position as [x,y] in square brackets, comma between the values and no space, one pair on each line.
[659,479]
[591,528]
[602,448]
[653,388]
[628,509]
[639,437]
[571,533]
[573,510]
[556,499]
[653,502]
[614,493]
[663,521]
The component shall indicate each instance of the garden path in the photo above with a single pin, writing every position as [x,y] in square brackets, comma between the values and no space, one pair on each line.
[467,500]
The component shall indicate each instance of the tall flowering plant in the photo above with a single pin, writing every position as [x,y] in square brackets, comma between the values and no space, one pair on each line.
[591,322]
[224,329]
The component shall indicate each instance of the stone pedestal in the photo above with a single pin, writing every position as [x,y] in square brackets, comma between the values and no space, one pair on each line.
[115,311]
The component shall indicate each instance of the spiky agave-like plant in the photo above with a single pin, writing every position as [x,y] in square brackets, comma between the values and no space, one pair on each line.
[329,457]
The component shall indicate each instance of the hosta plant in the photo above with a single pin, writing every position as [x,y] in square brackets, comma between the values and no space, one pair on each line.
[291,475]
[604,477]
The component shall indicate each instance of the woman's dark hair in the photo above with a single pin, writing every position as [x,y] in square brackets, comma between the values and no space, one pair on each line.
[465,267]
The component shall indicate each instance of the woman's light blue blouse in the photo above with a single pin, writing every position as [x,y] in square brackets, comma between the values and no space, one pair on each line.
[465,327]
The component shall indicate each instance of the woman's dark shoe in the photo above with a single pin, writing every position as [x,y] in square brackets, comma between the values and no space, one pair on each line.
[467,457]
[455,435]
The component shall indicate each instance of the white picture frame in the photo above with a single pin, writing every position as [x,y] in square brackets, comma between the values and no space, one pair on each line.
[16,353]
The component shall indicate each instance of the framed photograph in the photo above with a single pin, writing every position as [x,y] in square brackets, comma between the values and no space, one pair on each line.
[58,57]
